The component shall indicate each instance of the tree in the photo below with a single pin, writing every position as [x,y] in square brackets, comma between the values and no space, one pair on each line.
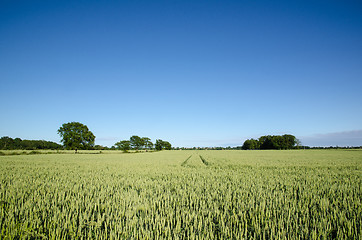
[10,144]
[166,145]
[290,141]
[147,143]
[286,141]
[76,135]
[251,144]
[160,144]
[17,143]
[7,143]
[277,142]
[265,142]
[124,145]
[136,142]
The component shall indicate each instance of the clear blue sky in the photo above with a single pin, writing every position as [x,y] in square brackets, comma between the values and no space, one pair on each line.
[195,73]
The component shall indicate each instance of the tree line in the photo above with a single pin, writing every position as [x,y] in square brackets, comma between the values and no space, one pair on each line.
[76,135]
[285,141]
[8,143]
[139,143]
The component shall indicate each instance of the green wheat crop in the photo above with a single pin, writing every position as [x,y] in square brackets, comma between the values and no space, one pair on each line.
[311,194]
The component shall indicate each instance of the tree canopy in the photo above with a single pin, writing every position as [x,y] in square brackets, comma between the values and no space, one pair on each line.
[7,143]
[285,141]
[124,145]
[160,144]
[147,143]
[76,135]
[137,143]
[251,144]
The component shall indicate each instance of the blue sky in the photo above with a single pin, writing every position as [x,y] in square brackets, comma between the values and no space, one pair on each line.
[195,73]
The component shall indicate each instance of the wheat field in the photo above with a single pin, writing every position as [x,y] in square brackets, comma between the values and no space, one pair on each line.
[293,194]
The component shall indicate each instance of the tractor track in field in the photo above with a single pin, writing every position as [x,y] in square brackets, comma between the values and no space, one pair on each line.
[185,162]
[204,161]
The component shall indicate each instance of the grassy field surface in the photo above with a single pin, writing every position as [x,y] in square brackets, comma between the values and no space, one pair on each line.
[295,194]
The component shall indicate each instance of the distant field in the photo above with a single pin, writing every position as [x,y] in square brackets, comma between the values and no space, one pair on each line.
[295,194]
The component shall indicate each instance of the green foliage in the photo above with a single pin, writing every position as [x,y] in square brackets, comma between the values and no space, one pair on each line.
[166,145]
[7,143]
[136,142]
[312,194]
[124,145]
[271,142]
[251,144]
[147,143]
[76,135]
[160,144]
